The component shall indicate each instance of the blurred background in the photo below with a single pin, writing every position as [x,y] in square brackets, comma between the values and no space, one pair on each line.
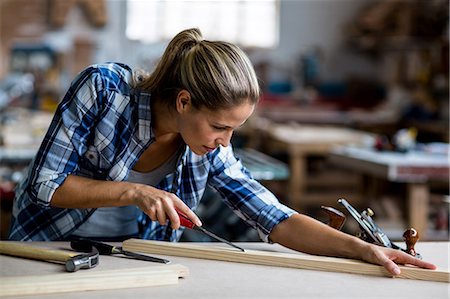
[355,99]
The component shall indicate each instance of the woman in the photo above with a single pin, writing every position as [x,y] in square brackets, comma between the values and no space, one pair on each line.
[126,151]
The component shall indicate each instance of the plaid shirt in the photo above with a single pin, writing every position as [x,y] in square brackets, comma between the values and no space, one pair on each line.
[99,131]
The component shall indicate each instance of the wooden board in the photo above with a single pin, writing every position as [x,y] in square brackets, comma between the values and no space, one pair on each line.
[291,260]
[92,280]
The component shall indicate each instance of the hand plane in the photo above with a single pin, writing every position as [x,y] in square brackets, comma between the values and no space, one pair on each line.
[370,231]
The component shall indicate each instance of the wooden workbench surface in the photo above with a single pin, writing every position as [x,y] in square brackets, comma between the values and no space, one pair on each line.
[217,279]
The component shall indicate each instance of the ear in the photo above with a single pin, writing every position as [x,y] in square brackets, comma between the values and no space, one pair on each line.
[183,102]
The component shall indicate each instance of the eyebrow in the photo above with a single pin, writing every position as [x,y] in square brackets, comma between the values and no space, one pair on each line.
[227,126]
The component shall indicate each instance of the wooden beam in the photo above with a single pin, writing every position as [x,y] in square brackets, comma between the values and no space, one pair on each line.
[291,260]
[92,280]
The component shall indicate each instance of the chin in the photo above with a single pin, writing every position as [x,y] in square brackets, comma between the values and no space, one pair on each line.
[198,151]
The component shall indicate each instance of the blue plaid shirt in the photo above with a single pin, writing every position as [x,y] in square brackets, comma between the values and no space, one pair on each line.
[99,131]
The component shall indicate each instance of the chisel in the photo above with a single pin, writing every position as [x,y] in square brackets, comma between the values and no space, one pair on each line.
[86,245]
[186,222]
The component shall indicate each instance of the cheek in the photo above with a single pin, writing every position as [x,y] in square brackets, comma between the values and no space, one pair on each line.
[204,135]
[197,132]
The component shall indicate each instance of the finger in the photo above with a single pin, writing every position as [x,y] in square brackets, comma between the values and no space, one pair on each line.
[173,217]
[170,211]
[152,214]
[161,215]
[409,259]
[392,267]
[183,208]
[385,257]
[425,265]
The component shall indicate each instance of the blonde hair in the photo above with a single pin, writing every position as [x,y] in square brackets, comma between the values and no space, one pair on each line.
[217,74]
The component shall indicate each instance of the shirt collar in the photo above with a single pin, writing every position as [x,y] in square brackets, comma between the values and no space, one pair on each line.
[145,131]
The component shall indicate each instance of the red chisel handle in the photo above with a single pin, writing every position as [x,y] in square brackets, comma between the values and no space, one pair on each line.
[185,221]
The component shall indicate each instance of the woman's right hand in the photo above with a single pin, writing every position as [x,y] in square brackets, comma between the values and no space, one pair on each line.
[81,193]
[161,205]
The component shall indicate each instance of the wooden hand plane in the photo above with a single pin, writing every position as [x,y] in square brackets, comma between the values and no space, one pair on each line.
[370,231]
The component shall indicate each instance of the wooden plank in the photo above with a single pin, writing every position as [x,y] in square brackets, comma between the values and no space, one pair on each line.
[291,260]
[92,280]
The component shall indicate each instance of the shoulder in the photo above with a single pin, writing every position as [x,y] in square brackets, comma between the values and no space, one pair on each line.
[110,76]
[99,86]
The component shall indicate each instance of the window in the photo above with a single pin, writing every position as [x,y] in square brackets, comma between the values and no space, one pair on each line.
[244,22]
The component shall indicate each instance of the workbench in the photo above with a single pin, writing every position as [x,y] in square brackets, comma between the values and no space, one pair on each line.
[217,279]
[303,141]
[415,169]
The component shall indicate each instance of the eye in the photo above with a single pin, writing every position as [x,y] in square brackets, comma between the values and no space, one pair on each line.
[219,128]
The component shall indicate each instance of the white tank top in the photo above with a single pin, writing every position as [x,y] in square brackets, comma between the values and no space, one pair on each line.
[121,221]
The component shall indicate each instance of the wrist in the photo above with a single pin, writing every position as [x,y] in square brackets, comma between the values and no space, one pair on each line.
[128,195]
[357,248]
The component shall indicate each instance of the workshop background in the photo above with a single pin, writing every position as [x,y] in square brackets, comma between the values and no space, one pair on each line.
[337,76]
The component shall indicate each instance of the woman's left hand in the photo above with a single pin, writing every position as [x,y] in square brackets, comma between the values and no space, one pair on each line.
[315,237]
[390,258]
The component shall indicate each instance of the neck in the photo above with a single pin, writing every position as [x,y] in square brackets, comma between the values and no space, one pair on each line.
[163,119]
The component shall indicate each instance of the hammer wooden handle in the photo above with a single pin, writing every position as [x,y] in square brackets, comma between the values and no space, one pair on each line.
[22,249]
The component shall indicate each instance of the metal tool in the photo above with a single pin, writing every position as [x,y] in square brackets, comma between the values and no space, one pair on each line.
[372,233]
[86,245]
[186,222]
[73,261]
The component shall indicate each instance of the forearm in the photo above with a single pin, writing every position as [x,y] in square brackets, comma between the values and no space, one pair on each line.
[159,205]
[80,192]
[305,234]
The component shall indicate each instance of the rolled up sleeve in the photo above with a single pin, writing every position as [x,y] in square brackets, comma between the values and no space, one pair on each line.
[250,200]
[66,139]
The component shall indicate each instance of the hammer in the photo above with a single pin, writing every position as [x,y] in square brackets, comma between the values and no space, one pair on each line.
[73,261]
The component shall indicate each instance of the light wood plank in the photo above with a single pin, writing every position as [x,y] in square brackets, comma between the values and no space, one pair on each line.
[92,280]
[291,260]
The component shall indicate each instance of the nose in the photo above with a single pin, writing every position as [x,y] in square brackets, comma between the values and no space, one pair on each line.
[225,138]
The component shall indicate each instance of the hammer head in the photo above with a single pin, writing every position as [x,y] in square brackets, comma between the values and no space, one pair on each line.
[83,261]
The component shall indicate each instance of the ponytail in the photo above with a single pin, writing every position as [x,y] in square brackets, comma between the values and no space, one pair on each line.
[216,74]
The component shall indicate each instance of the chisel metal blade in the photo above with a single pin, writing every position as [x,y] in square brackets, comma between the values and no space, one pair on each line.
[214,236]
